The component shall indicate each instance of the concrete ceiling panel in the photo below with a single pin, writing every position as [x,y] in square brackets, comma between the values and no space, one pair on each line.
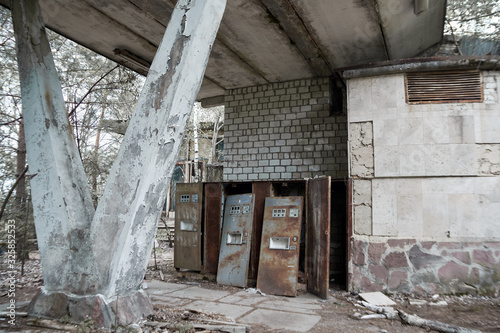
[259,41]
[229,70]
[347,31]
[128,15]
[407,34]
[251,32]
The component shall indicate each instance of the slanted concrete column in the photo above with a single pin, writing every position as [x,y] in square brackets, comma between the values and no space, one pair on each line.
[62,202]
[126,218]
[115,247]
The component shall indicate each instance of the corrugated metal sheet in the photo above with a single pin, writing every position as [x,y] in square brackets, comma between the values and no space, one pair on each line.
[279,252]
[470,46]
[444,87]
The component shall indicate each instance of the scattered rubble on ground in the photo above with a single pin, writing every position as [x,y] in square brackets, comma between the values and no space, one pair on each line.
[469,313]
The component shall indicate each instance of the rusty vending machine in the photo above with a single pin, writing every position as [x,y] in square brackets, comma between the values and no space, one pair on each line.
[188,226]
[280,246]
[236,240]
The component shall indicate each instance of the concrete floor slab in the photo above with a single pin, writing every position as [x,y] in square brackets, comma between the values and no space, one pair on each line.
[241,300]
[170,301]
[281,320]
[200,293]
[305,298]
[286,305]
[159,288]
[229,310]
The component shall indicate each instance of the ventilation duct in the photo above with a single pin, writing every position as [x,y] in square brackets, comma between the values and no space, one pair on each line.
[444,87]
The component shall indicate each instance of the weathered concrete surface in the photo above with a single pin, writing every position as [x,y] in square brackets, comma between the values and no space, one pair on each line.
[105,312]
[62,203]
[123,230]
[361,140]
[259,41]
[290,314]
[435,181]
[94,264]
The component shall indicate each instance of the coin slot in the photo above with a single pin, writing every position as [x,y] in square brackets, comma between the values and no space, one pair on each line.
[234,238]
[279,243]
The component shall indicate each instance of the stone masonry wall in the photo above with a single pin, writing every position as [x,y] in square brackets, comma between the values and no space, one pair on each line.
[283,131]
[426,189]
[425,267]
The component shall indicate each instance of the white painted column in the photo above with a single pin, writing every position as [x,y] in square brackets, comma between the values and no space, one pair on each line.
[62,202]
[126,217]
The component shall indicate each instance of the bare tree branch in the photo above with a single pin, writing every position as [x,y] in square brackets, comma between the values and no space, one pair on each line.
[4,204]
[92,87]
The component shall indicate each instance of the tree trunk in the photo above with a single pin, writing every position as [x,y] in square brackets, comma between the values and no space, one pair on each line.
[95,157]
[196,148]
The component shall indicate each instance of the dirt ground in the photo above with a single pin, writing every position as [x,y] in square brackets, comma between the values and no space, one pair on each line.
[340,313]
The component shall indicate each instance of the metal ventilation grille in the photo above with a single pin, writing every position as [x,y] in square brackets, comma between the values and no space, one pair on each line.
[444,87]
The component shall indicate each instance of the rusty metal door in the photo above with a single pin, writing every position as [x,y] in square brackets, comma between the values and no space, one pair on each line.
[280,247]
[188,225]
[261,190]
[318,236]
[211,244]
[236,240]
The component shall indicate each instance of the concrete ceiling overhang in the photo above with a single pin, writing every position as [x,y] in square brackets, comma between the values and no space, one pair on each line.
[259,41]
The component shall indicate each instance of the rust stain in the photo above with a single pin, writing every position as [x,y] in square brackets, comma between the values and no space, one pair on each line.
[280,246]
[235,250]
[213,202]
[187,245]
[317,236]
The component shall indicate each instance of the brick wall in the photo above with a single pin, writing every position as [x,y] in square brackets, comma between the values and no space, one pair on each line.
[283,131]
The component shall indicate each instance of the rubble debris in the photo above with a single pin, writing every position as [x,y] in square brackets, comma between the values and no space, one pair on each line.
[396,314]
[374,316]
[255,291]
[211,328]
[377,298]
[433,325]
[53,324]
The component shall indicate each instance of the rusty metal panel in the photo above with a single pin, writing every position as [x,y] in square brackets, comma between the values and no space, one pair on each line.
[261,190]
[213,214]
[188,225]
[444,87]
[236,240]
[280,247]
[318,236]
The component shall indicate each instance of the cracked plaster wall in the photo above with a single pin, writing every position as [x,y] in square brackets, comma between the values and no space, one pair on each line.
[424,173]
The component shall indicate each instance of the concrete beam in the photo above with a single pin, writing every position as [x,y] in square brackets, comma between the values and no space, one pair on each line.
[62,202]
[292,24]
[212,101]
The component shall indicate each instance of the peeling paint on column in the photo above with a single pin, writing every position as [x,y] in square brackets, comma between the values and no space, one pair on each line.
[90,261]
[150,147]
[61,198]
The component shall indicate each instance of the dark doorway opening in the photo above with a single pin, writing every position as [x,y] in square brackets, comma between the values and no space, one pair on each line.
[338,235]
